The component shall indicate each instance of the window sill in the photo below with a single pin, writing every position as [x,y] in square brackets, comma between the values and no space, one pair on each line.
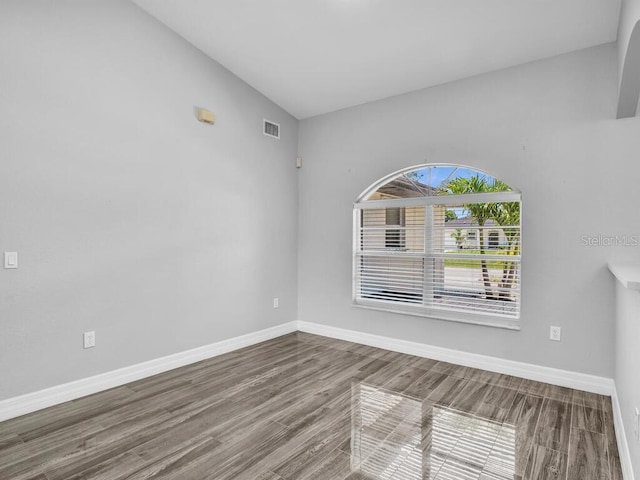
[508,323]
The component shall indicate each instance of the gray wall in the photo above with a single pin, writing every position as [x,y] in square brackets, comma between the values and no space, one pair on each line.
[131,218]
[548,129]
[629,16]
[164,234]
[628,364]
[628,58]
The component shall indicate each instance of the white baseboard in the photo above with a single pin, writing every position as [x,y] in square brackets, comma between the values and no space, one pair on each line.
[30,402]
[563,378]
[16,406]
[621,437]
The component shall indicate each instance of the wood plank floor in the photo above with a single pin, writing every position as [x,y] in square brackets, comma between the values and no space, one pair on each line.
[308,407]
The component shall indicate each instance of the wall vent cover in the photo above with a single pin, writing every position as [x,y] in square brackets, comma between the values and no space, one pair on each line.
[271,129]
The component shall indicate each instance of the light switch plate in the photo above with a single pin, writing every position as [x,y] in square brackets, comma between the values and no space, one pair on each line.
[10,259]
[89,339]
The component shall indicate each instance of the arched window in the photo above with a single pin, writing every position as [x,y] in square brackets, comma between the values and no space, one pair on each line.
[441,241]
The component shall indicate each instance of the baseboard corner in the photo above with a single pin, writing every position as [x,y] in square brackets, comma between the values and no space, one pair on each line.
[564,378]
[621,438]
[48,397]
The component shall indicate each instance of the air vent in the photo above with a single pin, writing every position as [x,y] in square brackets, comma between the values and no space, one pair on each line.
[271,129]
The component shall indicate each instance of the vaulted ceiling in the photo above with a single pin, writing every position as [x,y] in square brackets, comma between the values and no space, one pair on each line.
[316,56]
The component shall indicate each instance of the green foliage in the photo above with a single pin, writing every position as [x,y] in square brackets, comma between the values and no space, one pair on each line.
[450,215]
[481,212]
[505,214]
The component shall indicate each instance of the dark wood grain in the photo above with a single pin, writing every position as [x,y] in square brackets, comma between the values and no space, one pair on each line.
[585,459]
[615,468]
[497,403]
[524,416]
[588,418]
[554,425]
[305,407]
[546,463]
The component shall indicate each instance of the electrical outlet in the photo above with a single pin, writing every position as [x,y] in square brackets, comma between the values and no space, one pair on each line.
[89,339]
[276,302]
[555,333]
[636,424]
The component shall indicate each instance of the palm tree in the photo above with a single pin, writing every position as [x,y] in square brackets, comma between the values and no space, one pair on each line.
[508,215]
[481,212]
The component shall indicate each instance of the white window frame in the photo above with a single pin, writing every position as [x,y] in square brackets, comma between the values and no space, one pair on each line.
[477,318]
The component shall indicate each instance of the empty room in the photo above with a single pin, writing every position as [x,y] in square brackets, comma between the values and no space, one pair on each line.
[319,240]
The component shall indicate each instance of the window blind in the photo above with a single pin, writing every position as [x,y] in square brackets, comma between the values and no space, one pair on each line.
[445,255]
